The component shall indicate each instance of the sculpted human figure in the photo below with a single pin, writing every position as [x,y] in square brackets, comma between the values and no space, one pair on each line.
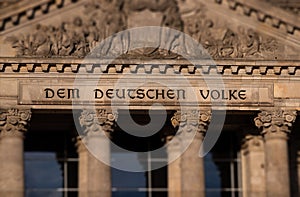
[229,44]
[79,43]
[169,39]
[114,21]
[42,41]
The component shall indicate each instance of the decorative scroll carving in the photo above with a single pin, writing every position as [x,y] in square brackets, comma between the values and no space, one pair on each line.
[14,120]
[192,120]
[276,121]
[98,120]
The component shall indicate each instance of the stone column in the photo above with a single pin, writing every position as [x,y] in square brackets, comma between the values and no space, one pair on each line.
[275,127]
[13,124]
[253,164]
[174,166]
[94,153]
[192,126]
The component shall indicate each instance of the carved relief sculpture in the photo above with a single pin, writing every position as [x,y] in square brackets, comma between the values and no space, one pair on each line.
[98,120]
[13,121]
[277,121]
[80,37]
[192,120]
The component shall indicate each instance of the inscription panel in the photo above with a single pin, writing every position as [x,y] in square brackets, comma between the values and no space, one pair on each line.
[230,94]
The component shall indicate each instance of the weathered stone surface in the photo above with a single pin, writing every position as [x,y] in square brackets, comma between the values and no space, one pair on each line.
[253,166]
[192,126]
[275,127]
[13,124]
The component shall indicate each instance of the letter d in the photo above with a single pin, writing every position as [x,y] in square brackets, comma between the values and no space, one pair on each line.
[49,93]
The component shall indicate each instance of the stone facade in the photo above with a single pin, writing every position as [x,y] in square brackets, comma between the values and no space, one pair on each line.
[61,55]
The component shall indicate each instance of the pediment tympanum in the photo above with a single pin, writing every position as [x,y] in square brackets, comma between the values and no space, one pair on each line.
[219,27]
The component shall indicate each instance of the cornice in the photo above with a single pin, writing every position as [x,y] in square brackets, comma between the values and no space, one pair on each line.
[208,66]
[277,16]
[27,10]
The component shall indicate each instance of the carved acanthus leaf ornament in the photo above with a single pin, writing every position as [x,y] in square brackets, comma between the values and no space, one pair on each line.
[97,120]
[275,121]
[14,120]
[192,120]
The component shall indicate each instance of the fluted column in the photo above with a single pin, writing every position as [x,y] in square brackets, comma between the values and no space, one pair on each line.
[275,127]
[94,153]
[253,164]
[13,124]
[192,126]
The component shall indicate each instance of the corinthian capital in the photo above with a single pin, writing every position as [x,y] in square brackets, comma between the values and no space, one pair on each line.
[192,120]
[97,120]
[276,121]
[14,121]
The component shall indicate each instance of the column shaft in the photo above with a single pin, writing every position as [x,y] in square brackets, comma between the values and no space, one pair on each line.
[174,168]
[99,182]
[13,124]
[94,175]
[277,167]
[83,158]
[253,164]
[11,166]
[275,127]
[192,169]
[192,126]
[94,154]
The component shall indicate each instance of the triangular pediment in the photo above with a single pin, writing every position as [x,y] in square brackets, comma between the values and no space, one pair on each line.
[225,28]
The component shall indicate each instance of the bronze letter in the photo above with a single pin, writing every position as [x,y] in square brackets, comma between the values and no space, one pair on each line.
[96,94]
[47,91]
[72,92]
[242,94]
[61,93]
[109,93]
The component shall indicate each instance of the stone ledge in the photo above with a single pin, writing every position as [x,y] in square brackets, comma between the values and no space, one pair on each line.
[26,10]
[265,10]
